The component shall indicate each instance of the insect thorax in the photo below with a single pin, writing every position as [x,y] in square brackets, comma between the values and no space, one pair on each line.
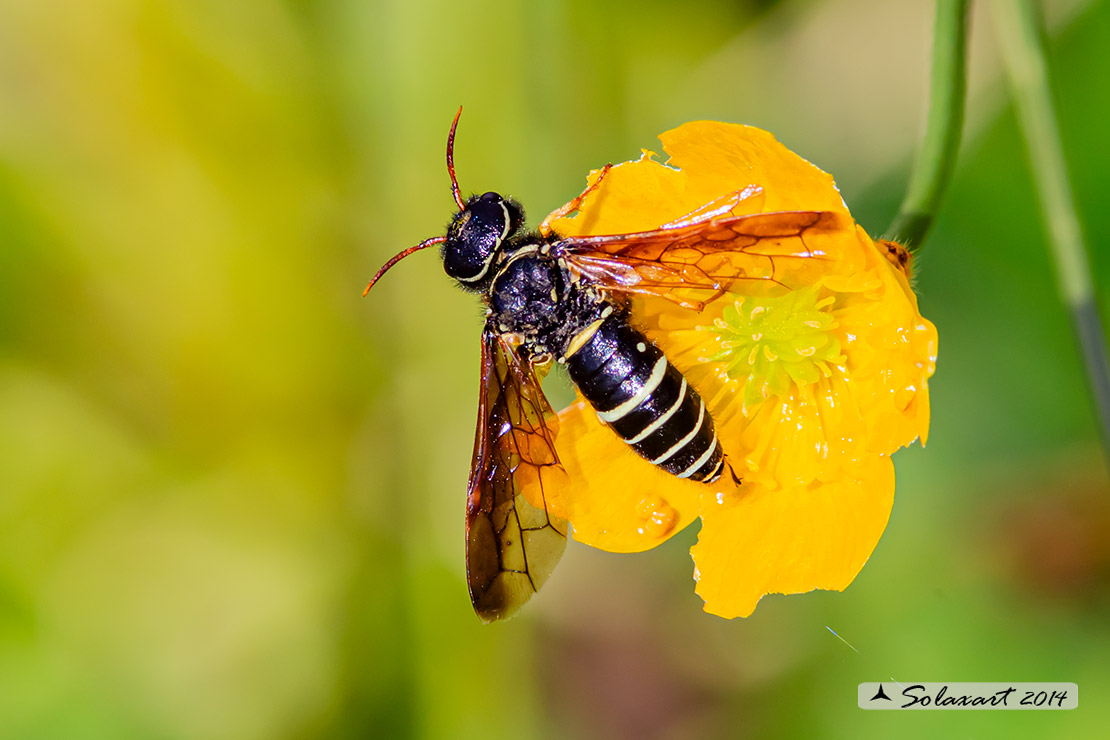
[534,295]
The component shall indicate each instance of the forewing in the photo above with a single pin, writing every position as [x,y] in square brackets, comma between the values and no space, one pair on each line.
[711,255]
[514,535]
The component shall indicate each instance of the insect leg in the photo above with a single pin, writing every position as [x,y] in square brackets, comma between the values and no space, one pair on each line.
[649,289]
[714,208]
[572,206]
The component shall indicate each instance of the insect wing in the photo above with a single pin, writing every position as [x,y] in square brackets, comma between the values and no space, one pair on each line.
[711,255]
[514,537]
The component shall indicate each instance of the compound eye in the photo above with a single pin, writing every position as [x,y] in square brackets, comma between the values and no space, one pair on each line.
[475,238]
[489,220]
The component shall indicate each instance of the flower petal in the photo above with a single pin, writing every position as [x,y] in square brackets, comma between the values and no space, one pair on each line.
[707,160]
[814,368]
[791,540]
[620,502]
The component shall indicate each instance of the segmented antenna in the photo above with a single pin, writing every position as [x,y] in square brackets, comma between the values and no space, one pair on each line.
[400,256]
[454,193]
[451,161]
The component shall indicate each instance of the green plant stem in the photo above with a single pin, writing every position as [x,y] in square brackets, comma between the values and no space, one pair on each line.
[936,158]
[1022,41]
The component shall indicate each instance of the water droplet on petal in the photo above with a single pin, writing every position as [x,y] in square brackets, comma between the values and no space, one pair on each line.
[658,517]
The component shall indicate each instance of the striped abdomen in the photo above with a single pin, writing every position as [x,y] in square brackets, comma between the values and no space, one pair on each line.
[645,400]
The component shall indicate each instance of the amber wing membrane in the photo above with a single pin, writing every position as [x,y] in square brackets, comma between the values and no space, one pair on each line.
[514,536]
[711,254]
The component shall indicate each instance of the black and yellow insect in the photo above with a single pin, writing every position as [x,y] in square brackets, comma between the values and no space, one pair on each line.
[567,299]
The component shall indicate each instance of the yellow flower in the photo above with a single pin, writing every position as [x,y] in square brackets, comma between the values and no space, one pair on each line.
[814,369]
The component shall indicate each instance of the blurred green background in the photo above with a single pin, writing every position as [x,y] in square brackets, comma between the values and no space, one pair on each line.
[231,490]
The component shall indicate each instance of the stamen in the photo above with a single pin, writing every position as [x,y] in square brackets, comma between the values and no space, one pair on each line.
[772,344]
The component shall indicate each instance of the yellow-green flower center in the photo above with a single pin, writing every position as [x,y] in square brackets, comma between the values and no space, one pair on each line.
[771,344]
